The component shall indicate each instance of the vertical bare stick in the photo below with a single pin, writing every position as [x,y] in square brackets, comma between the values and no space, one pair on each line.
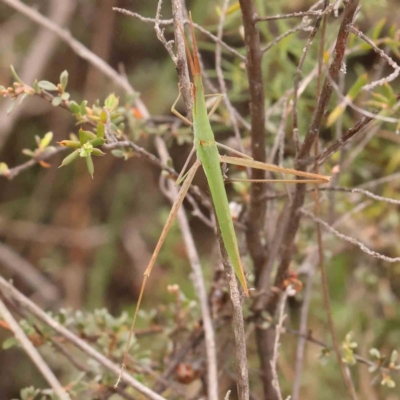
[257,114]
[274,361]
[33,353]
[181,62]
[327,301]
[303,326]
[238,327]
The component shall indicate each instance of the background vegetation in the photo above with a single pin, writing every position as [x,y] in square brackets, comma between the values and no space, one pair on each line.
[78,246]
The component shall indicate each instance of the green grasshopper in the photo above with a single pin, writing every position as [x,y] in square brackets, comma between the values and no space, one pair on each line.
[208,156]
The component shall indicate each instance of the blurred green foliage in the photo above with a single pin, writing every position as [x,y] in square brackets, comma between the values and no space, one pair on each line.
[124,200]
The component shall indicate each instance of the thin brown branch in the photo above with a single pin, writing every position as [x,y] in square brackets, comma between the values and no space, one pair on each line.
[348,136]
[257,116]
[346,190]
[350,239]
[333,73]
[195,338]
[380,181]
[257,209]
[303,332]
[15,171]
[181,64]
[299,14]
[303,26]
[379,51]
[242,381]
[160,33]
[274,361]
[67,354]
[298,75]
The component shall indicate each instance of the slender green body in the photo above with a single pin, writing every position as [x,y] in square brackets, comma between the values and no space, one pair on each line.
[208,154]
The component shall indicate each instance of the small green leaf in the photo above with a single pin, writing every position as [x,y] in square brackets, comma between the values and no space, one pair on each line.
[97,153]
[29,393]
[46,85]
[74,107]
[28,152]
[10,342]
[393,356]
[36,87]
[2,88]
[118,153]
[372,368]
[73,144]
[82,107]
[3,169]
[103,117]
[47,138]
[388,381]
[65,96]
[375,353]
[70,158]
[15,75]
[90,166]
[97,142]
[56,101]
[101,130]
[86,136]
[64,79]
[111,102]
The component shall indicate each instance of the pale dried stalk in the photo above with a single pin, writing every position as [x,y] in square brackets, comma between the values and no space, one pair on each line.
[33,353]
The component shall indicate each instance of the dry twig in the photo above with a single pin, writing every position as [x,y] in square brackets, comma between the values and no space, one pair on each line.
[349,239]
[8,290]
[33,353]
[279,327]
